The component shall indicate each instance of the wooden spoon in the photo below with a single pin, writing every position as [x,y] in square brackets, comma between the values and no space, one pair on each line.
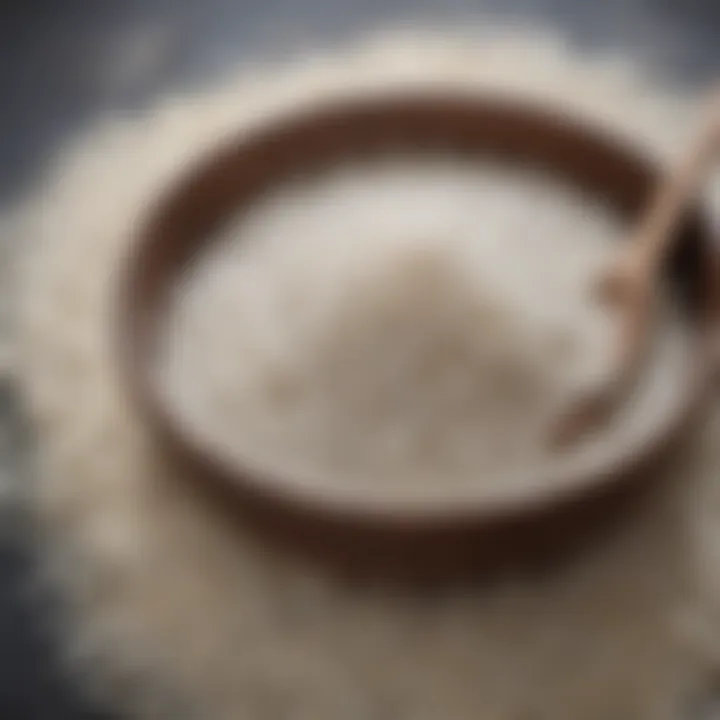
[633,282]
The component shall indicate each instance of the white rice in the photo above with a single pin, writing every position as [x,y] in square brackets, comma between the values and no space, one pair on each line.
[417,323]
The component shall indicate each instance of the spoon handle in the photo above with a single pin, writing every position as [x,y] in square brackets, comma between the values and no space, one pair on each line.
[656,231]
[634,280]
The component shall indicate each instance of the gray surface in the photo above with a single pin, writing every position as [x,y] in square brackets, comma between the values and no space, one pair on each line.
[64,62]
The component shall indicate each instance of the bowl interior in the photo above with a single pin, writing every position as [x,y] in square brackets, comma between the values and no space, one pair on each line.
[238,173]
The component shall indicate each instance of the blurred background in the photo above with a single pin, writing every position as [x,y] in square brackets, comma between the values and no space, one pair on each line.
[63,63]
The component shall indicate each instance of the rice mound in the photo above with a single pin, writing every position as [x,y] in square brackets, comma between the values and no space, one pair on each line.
[414,372]
[407,324]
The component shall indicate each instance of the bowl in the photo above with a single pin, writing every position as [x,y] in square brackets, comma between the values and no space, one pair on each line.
[361,534]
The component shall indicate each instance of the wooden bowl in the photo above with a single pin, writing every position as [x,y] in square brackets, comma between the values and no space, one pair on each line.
[360,533]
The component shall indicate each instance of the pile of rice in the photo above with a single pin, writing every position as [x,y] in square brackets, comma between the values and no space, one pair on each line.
[407,323]
[169,613]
